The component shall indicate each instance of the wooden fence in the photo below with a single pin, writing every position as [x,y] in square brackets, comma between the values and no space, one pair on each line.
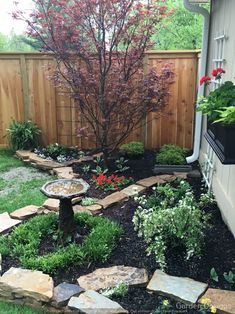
[26,93]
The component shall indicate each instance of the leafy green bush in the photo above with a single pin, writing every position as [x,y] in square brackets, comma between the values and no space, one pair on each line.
[55,150]
[133,149]
[170,217]
[24,241]
[170,154]
[23,135]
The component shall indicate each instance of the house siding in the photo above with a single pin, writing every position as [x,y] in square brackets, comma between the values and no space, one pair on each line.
[223,183]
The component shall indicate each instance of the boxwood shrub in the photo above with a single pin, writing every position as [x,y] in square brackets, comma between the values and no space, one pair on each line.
[24,242]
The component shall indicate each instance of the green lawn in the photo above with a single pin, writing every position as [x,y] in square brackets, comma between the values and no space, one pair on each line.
[7,161]
[19,184]
[6,308]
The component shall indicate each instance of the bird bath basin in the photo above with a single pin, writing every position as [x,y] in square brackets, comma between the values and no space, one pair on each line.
[65,190]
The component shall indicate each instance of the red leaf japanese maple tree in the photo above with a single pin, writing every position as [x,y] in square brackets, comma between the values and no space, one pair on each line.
[99,48]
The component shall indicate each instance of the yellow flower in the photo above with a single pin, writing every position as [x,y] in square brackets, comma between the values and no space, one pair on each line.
[165,302]
[213,309]
[206,301]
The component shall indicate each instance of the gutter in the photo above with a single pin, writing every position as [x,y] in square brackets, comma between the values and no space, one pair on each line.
[205,39]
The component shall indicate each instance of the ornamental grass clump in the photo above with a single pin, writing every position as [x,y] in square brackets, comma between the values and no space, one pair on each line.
[170,217]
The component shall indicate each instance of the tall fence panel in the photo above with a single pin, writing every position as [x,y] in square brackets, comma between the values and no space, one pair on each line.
[26,93]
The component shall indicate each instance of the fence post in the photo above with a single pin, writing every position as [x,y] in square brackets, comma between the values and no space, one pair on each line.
[25,85]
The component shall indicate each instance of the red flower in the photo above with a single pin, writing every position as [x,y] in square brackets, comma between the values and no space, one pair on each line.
[217,72]
[214,72]
[205,79]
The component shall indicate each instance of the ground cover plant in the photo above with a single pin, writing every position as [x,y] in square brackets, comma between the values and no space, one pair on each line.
[6,308]
[58,152]
[170,154]
[24,242]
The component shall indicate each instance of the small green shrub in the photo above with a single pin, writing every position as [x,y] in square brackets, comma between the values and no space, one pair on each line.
[170,217]
[24,241]
[23,135]
[55,150]
[170,154]
[133,149]
[119,290]
[88,201]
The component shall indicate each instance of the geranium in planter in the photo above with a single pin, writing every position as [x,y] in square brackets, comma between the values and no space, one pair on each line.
[219,106]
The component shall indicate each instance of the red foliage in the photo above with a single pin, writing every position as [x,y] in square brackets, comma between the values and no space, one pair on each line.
[99,48]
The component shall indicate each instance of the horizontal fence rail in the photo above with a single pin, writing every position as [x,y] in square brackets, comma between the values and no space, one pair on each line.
[26,93]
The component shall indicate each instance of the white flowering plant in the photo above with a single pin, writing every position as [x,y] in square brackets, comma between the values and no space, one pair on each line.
[170,216]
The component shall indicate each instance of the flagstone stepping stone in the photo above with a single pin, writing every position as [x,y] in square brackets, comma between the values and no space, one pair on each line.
[91,302]
[35,158]
[6,222]
[52,204]
[48,164]
[181,175]
[25,212]
[112,199]
[133,189]
[63,292]
[64,172]
[27,283]
[180,288]
[80,209]
[167,177]
[148,182]
[223,300]
[93,209]
[23,154]
[86,158]
[103,278]
[76,200]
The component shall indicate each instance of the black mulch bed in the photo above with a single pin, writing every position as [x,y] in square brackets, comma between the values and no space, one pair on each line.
[139,168]
[219,251]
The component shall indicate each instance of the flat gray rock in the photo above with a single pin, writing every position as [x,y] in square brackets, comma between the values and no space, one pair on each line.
[6,222]
[183,289]
[91,302]
[103,278]
[63,292]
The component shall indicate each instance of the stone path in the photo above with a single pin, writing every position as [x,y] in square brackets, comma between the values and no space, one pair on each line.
[183,289]
[36,288]
[110,277]
[92,302]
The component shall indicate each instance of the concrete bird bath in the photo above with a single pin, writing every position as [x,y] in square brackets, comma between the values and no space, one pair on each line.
[65,190]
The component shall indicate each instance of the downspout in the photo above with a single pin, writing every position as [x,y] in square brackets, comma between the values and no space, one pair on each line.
[202,72]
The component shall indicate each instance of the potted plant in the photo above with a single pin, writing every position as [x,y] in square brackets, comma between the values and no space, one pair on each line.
[219,106]
[171,158]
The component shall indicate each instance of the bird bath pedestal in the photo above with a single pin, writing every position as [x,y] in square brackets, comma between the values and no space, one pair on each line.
[65,190]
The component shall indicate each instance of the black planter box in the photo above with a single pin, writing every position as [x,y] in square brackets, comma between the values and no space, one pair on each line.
[222,140]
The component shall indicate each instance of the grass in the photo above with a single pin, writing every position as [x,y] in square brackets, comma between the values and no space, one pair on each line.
[18,192]
[6,308]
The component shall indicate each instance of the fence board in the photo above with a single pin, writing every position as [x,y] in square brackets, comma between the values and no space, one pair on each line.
[26,92]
